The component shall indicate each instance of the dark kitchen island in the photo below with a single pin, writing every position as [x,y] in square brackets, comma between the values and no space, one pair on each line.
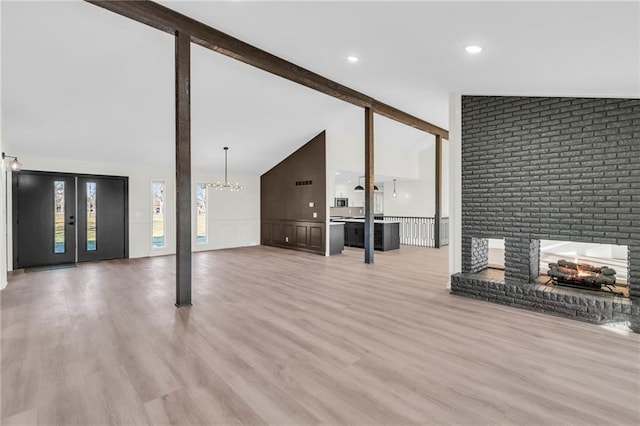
[386,235]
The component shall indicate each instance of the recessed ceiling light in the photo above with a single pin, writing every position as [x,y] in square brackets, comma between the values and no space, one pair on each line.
[352,59]
[473,49]
[337,173]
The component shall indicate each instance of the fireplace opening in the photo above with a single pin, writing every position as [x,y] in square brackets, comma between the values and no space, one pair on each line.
[587,266]
[496,253]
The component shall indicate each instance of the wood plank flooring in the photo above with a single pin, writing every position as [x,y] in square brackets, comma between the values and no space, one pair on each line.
[288,338]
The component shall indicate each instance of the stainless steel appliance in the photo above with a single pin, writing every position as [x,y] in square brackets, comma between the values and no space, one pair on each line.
[341,202]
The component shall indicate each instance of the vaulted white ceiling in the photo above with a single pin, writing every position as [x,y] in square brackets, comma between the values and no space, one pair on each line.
[81,82]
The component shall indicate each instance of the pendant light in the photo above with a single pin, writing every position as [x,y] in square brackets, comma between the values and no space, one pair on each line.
[359,187]
[226,185]
[395,194]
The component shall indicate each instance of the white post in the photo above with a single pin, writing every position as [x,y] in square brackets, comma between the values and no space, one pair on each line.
[455,185]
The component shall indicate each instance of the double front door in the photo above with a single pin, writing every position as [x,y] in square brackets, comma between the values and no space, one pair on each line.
[66,218]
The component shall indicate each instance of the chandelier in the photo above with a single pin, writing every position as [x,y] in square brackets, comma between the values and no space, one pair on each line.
[218,186]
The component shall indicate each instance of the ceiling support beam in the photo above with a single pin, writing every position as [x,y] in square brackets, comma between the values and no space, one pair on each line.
[170,21]
[438,210]
[183,169]
[369,225]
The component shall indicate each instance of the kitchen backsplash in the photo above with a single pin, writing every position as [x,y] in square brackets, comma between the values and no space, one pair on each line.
[347,211]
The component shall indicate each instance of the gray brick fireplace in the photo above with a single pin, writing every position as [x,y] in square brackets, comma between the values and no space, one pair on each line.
[536,168]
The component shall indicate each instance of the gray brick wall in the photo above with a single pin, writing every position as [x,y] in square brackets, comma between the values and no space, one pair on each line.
[521,259]
[554,169]
[475,254]
[633,272]
[581,305]
[551,168]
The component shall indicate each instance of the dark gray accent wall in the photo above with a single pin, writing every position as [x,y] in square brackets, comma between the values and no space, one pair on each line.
[286,219]
[554,169]
[551,168]
[475,254]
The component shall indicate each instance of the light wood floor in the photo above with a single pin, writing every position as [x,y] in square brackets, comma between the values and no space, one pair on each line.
[288,338]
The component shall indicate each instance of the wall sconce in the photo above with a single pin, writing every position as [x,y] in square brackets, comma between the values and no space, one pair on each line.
[14,165]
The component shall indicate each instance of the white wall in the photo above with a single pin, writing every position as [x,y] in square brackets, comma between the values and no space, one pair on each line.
[496,243]
[415,197]
[446,187]
[234,218]
[413,169]
[3,229]
[3,221]
[348,154]
[572,249]
[454,190]
[356,198]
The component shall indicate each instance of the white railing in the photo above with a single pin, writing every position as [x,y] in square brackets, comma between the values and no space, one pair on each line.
[419,231]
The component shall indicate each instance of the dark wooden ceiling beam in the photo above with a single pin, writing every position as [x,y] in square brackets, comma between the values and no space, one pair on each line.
[170,21]
[408,119]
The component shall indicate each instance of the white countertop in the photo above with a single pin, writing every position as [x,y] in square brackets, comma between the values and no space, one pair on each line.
[375,221]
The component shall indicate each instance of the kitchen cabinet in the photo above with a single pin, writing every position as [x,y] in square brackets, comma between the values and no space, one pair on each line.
[298,234]
[336,238]
[386,234]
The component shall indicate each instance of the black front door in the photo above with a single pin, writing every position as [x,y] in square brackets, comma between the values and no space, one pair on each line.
[49,231]
[102,213]
[44,216]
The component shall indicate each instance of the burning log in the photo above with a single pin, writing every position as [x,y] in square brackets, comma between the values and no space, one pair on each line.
[583,275]
[585,267]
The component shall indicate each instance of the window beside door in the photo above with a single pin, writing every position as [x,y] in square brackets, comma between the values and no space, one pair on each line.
[158,224]
[92,219]
[58,228]
[201,213]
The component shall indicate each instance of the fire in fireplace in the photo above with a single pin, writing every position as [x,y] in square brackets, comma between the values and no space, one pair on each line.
[582,275]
